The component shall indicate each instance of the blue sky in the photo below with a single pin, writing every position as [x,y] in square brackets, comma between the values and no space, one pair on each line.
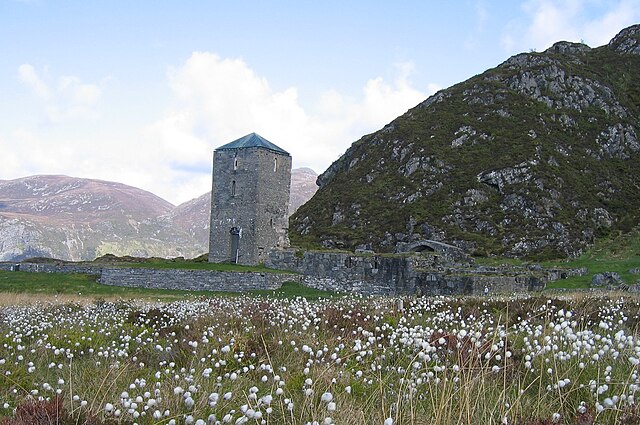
[142,92]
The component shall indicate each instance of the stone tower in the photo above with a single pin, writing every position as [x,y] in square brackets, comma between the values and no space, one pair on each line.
[249,200]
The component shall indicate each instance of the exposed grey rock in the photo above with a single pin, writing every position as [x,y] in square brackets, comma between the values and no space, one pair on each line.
[618,141]
[475,197]
[436,98]
[337,218]
[606,279]
[552,86]
[507,176]
[468,134]
[364,249]
[601,218]
[627,41]
[635,270]
[568,48]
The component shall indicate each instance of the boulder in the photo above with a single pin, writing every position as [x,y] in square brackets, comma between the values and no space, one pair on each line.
[606,279]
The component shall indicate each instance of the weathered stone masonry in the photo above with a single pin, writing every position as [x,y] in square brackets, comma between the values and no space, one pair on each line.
[421,274]
[365,274]
[249,200]
[193,280]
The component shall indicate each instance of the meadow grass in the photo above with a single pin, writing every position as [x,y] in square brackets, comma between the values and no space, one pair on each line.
[346,360]
[78,284]
[81,285]
[616,254]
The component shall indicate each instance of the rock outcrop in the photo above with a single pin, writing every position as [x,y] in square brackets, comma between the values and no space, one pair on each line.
[535,158]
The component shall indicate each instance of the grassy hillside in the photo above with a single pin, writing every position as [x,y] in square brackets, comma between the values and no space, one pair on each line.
[536,158]
[617,254]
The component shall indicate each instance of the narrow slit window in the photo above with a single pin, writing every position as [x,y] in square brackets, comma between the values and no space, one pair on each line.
[233,188]
[275,164]
[235,163]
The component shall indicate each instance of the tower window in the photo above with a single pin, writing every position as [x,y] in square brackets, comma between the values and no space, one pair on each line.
[233,188]
[235,163]
[271,222]
[275,164]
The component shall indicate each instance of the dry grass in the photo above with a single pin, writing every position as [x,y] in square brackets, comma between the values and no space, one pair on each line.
[8,298]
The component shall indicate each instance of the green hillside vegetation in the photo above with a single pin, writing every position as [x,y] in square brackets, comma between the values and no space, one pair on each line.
[619,254]
[568,178]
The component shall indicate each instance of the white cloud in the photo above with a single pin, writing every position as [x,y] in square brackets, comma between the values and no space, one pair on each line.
[23,154]
[29,76]
[69,99]
[219,100]
[547,21]
[481,17]
[215,100]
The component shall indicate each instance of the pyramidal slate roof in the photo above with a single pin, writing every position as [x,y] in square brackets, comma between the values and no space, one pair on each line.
[252,140]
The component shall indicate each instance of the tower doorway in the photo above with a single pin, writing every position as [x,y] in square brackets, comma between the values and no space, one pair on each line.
[235,244]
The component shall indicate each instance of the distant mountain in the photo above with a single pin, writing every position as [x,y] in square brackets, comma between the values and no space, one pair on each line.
[535,158]
[79,219]
[303,186]
[193,217]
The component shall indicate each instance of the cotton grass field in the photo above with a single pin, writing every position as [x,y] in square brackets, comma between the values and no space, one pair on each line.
[342,360]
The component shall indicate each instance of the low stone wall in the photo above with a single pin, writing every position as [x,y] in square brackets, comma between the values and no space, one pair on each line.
[345,272]
[51,268]
[558,274]
[333,271]
[194,280]
[429,283]
[349,285]
[182,279]
[424,274]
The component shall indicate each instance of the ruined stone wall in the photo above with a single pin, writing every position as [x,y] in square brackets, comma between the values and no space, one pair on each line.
[193,280]
[401,275]
[333,271]
[430,283]
[181,279]
[343,272]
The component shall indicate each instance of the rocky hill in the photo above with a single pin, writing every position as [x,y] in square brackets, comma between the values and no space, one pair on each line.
[535,158]
[79,219]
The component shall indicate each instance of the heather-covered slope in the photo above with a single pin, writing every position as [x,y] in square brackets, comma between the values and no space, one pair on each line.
[79,219]
[536,157]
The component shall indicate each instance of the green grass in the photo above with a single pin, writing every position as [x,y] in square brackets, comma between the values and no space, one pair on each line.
[618,254]
[78,284]
[499,261]
[86,285]
[293,289]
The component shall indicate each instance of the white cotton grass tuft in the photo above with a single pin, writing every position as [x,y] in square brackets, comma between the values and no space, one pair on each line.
[326,397]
